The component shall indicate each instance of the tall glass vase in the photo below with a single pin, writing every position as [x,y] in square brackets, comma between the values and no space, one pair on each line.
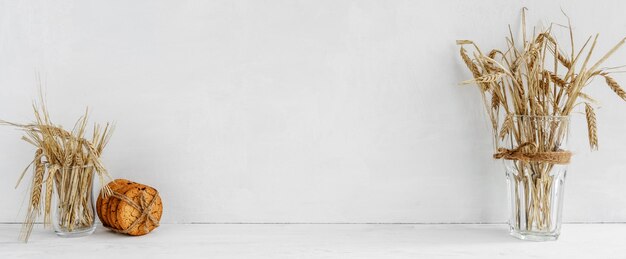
[73,213]
[536,157]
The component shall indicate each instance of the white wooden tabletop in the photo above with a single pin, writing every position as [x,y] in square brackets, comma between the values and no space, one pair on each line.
[319,241]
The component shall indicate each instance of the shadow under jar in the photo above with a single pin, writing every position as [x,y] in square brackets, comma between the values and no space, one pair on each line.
[73,213]
[535,157]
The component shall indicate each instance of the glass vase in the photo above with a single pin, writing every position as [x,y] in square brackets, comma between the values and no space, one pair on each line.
[73,213]
[535,177]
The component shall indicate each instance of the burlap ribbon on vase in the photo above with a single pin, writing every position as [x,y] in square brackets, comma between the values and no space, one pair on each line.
[561,157]
[146,211]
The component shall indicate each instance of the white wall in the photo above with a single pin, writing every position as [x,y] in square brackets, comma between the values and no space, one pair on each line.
[295,111]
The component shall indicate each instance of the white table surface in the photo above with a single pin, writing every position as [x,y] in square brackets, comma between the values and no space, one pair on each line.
[319,241]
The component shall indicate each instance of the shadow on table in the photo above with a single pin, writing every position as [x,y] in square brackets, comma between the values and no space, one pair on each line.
[465,234]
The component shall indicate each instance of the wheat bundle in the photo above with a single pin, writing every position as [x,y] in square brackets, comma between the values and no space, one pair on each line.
[535,78]
[67,161]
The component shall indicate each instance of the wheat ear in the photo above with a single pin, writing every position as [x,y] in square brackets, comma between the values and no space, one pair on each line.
[35,196]
[591,127]
[507,125]
[614,86]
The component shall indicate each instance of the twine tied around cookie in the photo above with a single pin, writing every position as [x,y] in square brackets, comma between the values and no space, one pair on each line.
[146,211]
[561,157]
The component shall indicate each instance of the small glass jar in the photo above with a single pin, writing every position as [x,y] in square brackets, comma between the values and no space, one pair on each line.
[73,213]
[535,188]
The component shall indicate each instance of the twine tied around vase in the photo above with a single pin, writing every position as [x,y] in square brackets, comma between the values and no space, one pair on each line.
[561,157]
[146,211]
